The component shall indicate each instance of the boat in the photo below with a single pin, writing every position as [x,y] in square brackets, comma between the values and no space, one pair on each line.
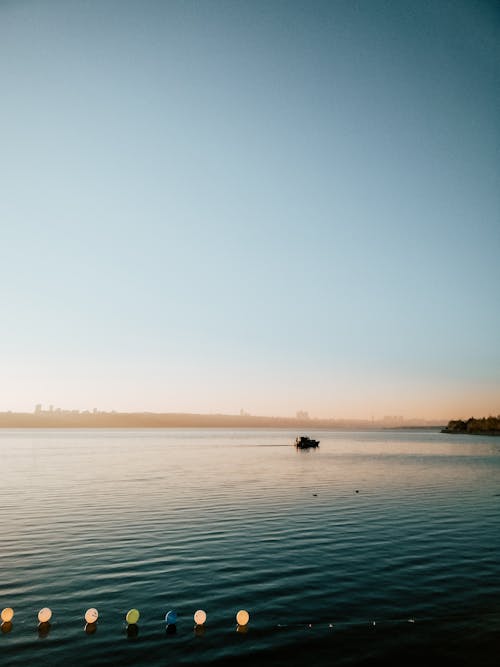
[304,442]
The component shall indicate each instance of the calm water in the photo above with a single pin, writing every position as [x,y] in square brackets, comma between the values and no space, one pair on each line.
[224,520]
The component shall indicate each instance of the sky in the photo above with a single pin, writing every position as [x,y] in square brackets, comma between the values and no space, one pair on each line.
[270,206]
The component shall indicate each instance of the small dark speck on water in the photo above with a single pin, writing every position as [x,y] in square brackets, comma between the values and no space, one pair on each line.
[315,495]
[357,490]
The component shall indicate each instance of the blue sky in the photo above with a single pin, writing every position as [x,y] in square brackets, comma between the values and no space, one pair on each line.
[274,206]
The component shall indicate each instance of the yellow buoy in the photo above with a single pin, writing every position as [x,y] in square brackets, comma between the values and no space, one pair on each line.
[132,616]
[242,617]
[7,614]
[44,615]
[200,617]
[91,615]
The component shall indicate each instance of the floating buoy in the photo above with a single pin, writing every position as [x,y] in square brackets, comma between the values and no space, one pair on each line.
[200,617]
[132,616]
[44,615]
[242,617]
[91,615]
[7,614]
[171,617]
[6,627]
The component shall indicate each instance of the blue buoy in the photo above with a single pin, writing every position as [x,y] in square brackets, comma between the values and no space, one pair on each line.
[171,617]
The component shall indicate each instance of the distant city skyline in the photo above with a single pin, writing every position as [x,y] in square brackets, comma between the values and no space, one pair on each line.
[267,206]
[300,415]
[55,417]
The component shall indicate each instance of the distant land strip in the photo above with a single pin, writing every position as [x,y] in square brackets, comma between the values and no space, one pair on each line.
[97,419]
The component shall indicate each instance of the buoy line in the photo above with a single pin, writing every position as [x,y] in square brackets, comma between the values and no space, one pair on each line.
[242,617]
[91,617]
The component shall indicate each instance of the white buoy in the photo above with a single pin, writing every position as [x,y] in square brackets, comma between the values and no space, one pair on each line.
[200,617]
[242,617]
[7,614]
[91,615]
[44,615]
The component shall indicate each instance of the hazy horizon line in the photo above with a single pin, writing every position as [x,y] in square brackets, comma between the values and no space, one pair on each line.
[300,416]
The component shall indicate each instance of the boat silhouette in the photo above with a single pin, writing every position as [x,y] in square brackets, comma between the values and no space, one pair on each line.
[304,442]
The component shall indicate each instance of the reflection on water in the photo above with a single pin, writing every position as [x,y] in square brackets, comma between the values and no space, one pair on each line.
[90,628]
[43,630]
[132,630]
[6,627]
[380,526]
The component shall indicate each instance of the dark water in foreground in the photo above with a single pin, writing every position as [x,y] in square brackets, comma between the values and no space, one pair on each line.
[224,520]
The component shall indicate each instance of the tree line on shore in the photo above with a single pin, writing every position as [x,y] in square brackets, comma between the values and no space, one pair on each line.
[484,426]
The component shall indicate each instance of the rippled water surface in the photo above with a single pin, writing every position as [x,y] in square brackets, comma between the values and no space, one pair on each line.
[378,548]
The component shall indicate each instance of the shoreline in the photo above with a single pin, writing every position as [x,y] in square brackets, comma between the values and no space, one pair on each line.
[485,426]
[491,434]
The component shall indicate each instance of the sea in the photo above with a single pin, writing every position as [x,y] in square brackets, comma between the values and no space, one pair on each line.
[378,548]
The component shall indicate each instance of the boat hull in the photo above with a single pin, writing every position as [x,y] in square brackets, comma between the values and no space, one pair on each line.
[304,442]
